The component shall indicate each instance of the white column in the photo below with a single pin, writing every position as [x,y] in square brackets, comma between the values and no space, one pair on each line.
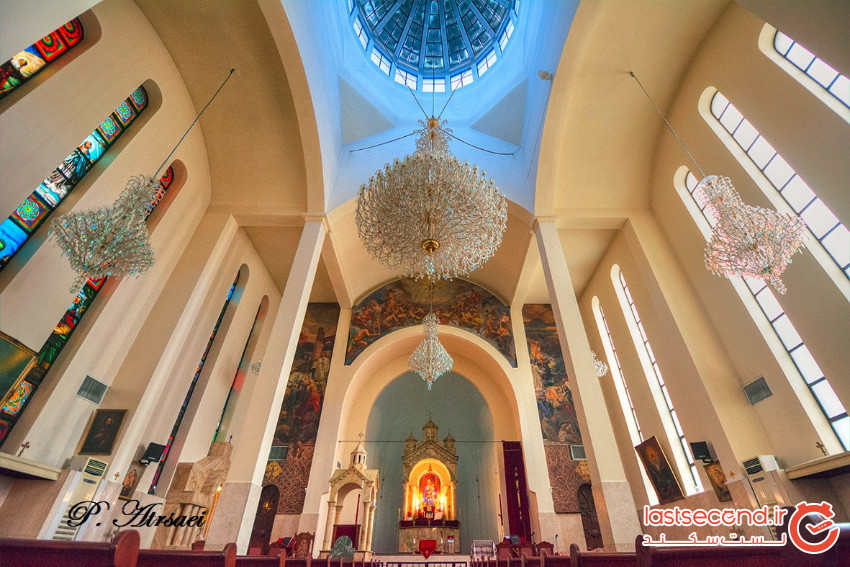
[371,518]
[329,528]
[239,497]
[614,503]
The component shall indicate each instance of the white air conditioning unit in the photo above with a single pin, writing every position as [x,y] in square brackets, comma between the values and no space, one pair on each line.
[762,474]
[88,473]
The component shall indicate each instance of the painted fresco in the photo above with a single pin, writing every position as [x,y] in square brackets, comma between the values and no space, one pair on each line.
[555,406]
[298,424]
[404,302]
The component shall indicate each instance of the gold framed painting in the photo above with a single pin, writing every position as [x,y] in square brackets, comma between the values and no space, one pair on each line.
[718,481]
[103,431]
[16,361]
[659,471]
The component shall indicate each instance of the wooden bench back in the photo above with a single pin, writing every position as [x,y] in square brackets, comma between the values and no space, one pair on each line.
[171,558]
[580,558]
[123,552]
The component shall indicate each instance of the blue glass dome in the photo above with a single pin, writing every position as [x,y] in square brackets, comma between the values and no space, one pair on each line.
[433,45]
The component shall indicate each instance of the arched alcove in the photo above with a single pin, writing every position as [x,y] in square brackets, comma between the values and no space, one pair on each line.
[456,406]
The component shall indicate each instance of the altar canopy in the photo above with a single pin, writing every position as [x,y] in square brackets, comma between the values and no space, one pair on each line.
[430,470]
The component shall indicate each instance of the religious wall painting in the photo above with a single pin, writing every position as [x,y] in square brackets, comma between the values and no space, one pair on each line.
[404,303]
[717,477]
[658,470]
[103,431]
[555,406]
[298,423]
[131,481]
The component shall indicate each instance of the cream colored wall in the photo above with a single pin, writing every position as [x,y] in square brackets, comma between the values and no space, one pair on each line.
[815,142]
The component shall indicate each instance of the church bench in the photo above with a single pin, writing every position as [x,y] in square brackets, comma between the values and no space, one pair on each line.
[123,552]
[580,558]
[173,558]
[260,560]
[709,556]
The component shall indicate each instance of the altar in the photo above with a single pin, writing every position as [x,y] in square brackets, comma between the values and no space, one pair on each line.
[430,473]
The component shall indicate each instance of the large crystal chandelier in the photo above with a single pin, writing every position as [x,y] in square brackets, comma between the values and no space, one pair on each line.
[746,240]
[430,359]
[429,214]
[111,240]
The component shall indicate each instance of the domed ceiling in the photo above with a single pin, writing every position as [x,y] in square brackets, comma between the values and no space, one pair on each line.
[433,45]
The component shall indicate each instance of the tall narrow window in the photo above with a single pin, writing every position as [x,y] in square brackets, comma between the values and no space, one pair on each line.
[191,390]
[622,388]
[815,68]
[678,442]
[804,362]
[29,215]
[32,60]
[16,399]
[830,233]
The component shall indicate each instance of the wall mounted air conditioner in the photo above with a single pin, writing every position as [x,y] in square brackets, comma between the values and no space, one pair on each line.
[762,473]
[88,473]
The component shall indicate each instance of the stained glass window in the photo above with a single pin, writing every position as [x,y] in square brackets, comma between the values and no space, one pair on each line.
[652,368]
[34,210]
[780,323]
[29,62]
[161,466]
[63,330]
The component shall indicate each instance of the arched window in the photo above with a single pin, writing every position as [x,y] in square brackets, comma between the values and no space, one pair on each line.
[192,385]
[764,163]
[34,210]
[804,367]
[622,388]
[27,63]
[16,399]
[672,427]
[815,74]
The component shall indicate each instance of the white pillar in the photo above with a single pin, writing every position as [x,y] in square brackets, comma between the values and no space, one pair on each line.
[330,525]
[239,496]
[614,503]
[371,518]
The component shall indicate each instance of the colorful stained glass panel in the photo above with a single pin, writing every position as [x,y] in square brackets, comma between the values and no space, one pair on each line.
[53,189]
[72,32]
[12,237]
[125,113]
[139,98]
[28,62]
[17,400]
[92,147]
[109,129]
[50,46]
[74,167]
[30,213]
[9,78]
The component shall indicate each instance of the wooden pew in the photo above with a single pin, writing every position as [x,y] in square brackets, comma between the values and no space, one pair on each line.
[580,558]
[260,560]
[709,556]
[123,552]
[172,558]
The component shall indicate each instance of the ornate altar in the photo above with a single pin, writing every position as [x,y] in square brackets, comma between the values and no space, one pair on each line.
[430,472]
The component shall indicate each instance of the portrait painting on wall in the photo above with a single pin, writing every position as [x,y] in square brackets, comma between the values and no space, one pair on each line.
[131,481]
[555,406]
[718,481]
[405,302]
[658,470]
[15,361]
[103,431]
[298,423]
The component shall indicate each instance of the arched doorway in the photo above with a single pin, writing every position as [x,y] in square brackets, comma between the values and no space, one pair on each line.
[264,520]
[589,519]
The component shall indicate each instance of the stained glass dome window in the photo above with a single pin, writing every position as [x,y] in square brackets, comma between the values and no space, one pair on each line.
[433,45]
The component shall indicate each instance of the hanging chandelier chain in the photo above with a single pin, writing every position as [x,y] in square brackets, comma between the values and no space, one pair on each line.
[669,126]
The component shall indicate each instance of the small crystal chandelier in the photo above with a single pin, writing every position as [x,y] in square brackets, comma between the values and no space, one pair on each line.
[111,240]
[746,240]
[430,214]
[430,359]
[600,367]
[114,240]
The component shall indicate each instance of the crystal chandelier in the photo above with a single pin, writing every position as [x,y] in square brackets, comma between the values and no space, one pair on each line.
[746,240]
[429,214]
[114,240]
[111,240]
[600,367]
[430,359]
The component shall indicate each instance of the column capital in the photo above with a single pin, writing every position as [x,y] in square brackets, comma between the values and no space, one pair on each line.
[317,217]
[543,219]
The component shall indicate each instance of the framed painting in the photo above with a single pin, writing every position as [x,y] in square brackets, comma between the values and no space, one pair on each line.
[131,481]
[718,481]
[103,431]
[16,360]
[658,470]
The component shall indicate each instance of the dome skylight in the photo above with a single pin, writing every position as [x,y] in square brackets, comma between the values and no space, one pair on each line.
[433,45]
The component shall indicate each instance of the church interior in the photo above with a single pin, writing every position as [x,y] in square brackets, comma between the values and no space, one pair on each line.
[477,278]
